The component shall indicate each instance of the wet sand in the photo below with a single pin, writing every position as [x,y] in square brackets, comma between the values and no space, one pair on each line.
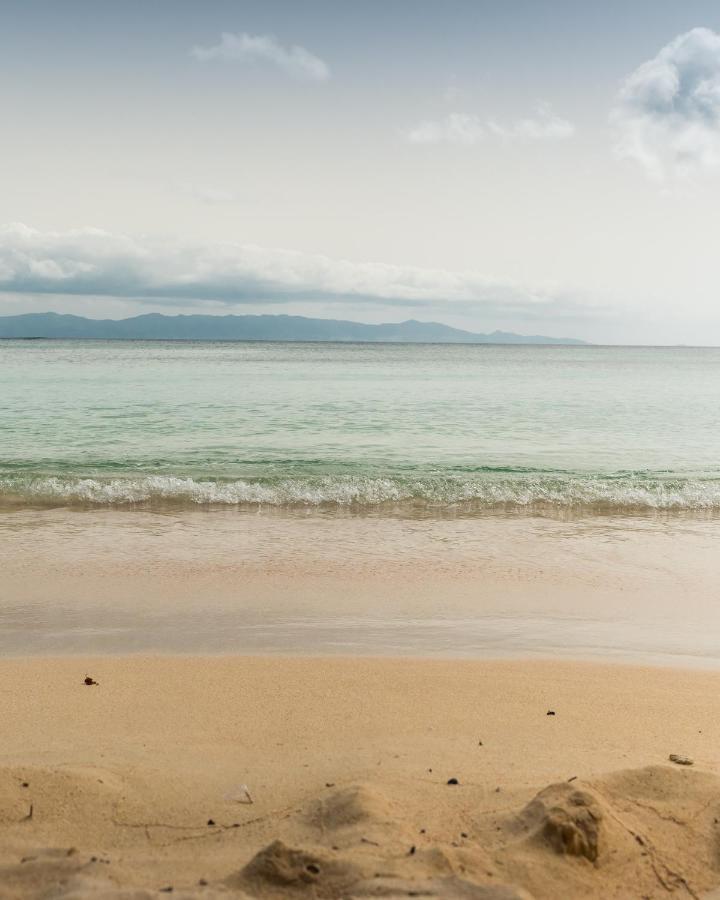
[110,581]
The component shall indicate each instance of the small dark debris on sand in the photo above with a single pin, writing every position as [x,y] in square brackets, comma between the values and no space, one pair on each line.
[88,681]
[550,712]
[680,760]
[453,781]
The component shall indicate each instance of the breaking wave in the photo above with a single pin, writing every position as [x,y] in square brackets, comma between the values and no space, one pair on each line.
[484,490]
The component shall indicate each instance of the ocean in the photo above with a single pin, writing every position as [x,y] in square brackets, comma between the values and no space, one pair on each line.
[353,499]
[417,428]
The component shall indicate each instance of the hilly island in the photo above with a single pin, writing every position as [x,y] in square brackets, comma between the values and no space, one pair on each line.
[155,326]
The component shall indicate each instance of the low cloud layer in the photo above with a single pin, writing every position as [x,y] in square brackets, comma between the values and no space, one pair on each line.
[264,48]
[668,111]
[90,262]
[469,129]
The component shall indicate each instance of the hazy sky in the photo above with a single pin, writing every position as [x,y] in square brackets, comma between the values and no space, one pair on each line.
[543,167]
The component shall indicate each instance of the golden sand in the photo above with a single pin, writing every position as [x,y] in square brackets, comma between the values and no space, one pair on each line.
[272,777]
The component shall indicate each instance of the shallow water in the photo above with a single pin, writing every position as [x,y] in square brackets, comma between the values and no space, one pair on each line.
[598,429]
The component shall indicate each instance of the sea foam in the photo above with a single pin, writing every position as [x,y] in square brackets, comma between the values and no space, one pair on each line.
[522,491]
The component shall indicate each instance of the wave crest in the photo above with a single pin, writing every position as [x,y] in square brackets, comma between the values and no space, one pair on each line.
[488,491]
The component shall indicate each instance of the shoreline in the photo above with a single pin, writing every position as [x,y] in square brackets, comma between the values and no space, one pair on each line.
[114,583]
[351,496]
[349,761]
[630,661]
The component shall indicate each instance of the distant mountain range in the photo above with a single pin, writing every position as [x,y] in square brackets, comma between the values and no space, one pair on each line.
[251,328]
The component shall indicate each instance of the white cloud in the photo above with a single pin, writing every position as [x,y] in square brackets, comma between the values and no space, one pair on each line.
[249,48]
[668,111]
[544,126]
[468,129]
[90,262]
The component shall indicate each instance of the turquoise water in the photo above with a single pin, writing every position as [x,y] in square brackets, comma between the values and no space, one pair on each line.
[352,425]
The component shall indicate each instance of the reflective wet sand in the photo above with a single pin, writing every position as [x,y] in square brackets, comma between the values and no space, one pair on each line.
[110,581]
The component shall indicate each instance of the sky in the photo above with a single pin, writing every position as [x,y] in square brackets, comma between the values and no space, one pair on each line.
[539,167]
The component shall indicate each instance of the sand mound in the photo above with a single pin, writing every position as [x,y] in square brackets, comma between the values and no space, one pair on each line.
[45,870]
[655,828]
[635,833]
[61,874]
[571,820]
[360,814]
[349,806]
[669,790]
[279,870]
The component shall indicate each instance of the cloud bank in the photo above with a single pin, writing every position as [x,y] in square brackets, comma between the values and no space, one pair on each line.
[469,129]
[91,262]
[251,48]
[668,110]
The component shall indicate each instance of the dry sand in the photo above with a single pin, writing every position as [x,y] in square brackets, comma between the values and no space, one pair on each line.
[135,785]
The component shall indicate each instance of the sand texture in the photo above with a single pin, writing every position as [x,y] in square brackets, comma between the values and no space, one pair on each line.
[261,777]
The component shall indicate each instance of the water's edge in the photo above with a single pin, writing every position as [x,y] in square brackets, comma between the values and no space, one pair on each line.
[472,491]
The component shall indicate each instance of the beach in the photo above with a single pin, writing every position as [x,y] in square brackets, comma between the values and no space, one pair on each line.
[374,637]
[322,681]
[359,450]
[174,771]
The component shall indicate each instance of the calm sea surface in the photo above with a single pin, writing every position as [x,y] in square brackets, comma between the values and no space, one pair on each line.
[355,425]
